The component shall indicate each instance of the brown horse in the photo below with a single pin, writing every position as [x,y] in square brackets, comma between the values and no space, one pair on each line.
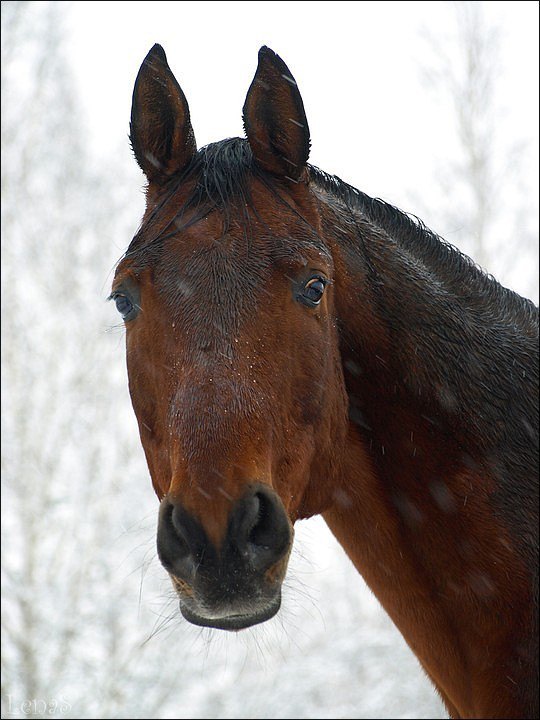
[296,347]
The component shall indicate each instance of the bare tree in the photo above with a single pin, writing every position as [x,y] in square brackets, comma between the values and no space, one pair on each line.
[488,210]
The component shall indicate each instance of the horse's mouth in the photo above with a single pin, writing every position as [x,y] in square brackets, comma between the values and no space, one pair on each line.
[233,622]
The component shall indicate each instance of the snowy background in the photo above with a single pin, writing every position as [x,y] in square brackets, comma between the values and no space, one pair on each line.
[432,106]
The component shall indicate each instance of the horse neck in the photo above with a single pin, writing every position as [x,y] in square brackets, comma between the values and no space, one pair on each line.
[431,344]
[414,511]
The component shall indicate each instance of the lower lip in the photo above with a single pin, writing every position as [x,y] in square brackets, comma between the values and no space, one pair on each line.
[232,622]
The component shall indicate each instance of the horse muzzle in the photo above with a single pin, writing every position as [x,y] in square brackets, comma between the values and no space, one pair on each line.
[237,584]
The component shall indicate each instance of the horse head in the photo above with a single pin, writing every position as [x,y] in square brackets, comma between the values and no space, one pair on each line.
[227,293]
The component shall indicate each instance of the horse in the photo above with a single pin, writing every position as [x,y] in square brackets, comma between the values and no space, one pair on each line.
[295,347]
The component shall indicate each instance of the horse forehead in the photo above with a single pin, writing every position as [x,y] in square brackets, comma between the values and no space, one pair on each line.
[209,290]
[204,268]
[202,257]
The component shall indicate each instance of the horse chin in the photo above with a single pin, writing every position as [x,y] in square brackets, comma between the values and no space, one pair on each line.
[233,622]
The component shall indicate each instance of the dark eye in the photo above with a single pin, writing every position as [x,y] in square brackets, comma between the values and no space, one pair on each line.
[313,290]
[123,305]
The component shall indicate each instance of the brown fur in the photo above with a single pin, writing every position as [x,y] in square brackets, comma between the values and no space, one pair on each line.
[377,407]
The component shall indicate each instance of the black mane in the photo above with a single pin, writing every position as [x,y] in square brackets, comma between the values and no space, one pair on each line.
[437,254]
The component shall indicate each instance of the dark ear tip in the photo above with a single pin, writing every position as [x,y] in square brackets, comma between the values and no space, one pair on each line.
[157,52]
[268,58]
[265,51]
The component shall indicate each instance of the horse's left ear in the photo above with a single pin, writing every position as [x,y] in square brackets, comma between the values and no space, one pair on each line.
[274,119]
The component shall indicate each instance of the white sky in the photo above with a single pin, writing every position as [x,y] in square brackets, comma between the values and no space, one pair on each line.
[356,63]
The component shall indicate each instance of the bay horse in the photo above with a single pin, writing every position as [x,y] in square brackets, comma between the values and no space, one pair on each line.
[296,347]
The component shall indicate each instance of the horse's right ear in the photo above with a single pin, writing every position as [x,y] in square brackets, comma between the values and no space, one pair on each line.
[160,129]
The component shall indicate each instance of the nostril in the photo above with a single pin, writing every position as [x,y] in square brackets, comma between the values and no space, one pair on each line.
[172,544]
[262,529]
[181,544]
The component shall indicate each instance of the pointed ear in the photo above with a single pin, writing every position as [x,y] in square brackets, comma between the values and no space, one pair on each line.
[160,129]
[274,119]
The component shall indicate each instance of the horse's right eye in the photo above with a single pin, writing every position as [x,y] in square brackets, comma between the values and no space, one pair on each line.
[123,304]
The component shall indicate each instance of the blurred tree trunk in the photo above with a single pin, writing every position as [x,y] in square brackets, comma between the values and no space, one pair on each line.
[487,207]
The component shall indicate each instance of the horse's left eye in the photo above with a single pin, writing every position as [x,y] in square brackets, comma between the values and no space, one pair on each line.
[314,290]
